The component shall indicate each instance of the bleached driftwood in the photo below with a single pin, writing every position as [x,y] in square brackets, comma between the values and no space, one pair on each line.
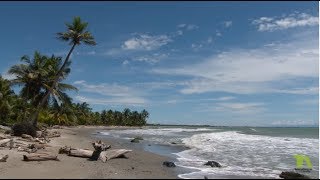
[80,153]
[111,154]
[4,158]
[4,142]
[40,157]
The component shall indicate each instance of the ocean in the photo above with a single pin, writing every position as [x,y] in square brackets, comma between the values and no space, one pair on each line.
[243,152]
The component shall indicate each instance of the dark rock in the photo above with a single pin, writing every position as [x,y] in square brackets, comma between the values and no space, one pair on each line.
[173,143]
[205,177]
[293,175]
[169,164]
[136,139]
[213,164]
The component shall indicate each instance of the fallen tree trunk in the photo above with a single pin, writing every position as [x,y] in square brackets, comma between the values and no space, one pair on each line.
[4,158]
[4,142]
[111,154]
[40,157]
[80,153]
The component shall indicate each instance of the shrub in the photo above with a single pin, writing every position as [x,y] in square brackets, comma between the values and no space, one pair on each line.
[24,128]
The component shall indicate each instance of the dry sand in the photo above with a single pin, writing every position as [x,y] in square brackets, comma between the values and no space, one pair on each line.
[139,164]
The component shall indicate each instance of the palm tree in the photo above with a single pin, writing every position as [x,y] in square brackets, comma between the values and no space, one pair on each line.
[37,76]
[75,35]
[6,100]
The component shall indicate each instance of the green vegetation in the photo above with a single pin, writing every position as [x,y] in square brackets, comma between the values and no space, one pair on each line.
[43,95]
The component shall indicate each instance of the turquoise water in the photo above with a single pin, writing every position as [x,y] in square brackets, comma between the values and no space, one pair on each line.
[255,152]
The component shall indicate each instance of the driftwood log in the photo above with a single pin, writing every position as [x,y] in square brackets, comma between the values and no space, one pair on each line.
[4,158]
[111,154]
[80,153]
[40,157]
[4,142]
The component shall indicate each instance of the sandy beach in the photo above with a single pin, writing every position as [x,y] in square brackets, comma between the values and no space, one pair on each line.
[138,164]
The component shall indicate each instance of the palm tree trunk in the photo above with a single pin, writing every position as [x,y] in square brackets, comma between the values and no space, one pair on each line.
[34,117]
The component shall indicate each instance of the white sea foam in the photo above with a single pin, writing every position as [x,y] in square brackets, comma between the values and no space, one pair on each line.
[240,154]
[244,155]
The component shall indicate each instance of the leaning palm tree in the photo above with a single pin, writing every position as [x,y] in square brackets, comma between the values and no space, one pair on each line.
[37,76]
[75,35]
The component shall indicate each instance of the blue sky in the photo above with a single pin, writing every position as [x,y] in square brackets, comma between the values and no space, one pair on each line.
[216,63]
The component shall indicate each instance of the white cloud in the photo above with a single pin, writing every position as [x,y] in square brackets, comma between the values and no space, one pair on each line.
[224,98]
[268,69]
[179,33]
[113,94]
[131,101]
[188,27]
[290,21]
[218,34]
[153,58]
[295,123]
[126,62]
[85,53]
[227,23]
[146,42]
[239,107]
[196,47]
[233,107]
[210,40]
[105,89]
[181,25]
[192,27]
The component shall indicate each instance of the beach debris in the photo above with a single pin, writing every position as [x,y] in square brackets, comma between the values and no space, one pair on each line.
[65,150]
[99,145]
[212,164]
[56,127]
[80,153]
[168,164]
[4,158]
[53,134]
[28,150]
[4,142]
[293,175]
[40,157]
[26,136]
[114,153]
[101,152]
[136,139]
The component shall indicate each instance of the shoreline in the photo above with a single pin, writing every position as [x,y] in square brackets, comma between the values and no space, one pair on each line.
[138,164]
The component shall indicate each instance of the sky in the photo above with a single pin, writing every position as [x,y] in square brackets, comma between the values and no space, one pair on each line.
[198,63]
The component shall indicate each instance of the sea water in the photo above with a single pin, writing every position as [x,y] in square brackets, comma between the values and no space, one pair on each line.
[242,151]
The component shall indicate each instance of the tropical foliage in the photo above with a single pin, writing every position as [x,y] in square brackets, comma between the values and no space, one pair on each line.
[42,95]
